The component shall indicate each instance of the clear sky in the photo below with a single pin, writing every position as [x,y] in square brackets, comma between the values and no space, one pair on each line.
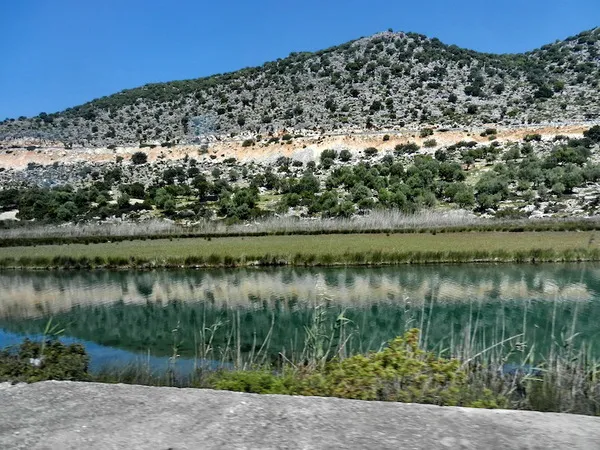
[60,53]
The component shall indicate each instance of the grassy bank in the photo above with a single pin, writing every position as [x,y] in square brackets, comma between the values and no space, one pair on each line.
[305,250]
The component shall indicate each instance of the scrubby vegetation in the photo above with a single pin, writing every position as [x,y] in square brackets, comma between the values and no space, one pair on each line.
[388,80]
[400,371]
[44,360]
[511,180]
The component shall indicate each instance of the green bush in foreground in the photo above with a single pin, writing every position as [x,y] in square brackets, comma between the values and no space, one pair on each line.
[401,372]
[45,360]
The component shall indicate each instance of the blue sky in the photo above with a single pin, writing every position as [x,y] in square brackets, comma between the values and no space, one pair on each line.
[60,53]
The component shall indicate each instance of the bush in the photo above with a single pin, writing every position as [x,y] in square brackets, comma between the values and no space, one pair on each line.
[593,133]
[464,198]
[532,137]
[139,158]
[406,148]
[426,132]
[386,137]
[248,143]
[46,360]
[328,154]
[441,155]
[370,151]
[345,155]
[401,372]
[543,92]
[327,163]
[430,143]
[558,188]
[253,381]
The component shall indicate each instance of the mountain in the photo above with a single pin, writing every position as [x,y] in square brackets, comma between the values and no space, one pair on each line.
[385,81]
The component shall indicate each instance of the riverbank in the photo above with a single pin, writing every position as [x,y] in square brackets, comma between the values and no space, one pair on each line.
[311,250]
[401,371]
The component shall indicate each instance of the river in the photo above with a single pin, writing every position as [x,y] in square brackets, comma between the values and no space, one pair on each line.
[157,314]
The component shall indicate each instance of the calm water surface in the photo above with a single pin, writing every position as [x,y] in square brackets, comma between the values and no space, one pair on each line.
[151,313]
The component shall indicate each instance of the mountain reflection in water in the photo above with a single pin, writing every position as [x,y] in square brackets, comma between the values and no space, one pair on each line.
[138,311]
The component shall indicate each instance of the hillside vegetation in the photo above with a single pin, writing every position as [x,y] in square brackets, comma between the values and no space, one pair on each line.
[386,81]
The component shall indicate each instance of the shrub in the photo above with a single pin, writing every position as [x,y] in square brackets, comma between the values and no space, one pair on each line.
[406,148]
[464,198]
[47,360]
[593,133]
[402,372]
[327,163]
[345,155]
[370,151]
[543,92]
[441,155]
[426,132]
[254,381]
[532,137]
[248,143]
[558,188]
[139,158]
[328,154]
[430,143]
[386,137]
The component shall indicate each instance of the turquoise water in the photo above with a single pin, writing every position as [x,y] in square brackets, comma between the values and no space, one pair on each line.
[457,307]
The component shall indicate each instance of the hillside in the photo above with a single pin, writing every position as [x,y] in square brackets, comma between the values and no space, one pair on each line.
[385,81]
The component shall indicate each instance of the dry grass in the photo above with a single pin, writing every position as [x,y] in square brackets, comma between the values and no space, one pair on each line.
[377,220]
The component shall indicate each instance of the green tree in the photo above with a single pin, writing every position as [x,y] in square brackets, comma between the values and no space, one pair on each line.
[66,212]
[328,154]
[425,132]
[345,155]
[123,201]
[370,151]
[593,133]
[464,197]
[139,158]
[401,149]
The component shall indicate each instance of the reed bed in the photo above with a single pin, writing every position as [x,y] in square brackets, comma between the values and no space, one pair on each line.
[327,354]
[367,258]
[389,221]
[475,366]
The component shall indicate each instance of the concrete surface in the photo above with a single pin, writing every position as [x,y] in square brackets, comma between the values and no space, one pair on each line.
[65,415]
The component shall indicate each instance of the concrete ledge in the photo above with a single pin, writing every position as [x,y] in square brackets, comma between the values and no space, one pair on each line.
[68,415]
